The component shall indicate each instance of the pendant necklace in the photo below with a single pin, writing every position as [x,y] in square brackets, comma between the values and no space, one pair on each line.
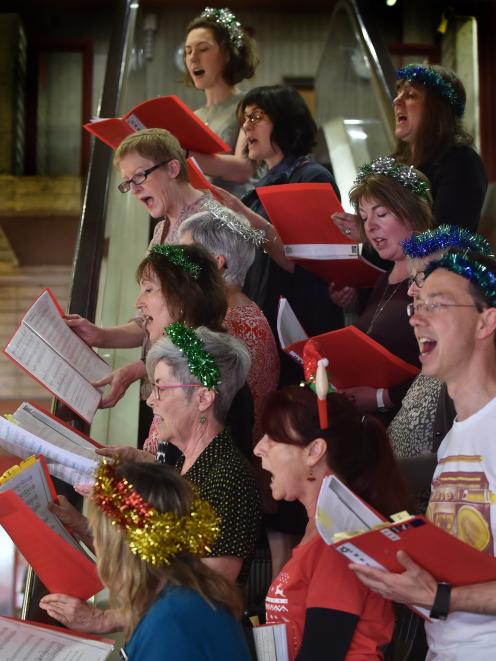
[381,305]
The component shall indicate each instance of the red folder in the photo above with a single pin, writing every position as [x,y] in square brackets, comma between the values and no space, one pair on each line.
[444,556]
[301,213]
[163,112]
[355,359]
[60,567]
[198,180]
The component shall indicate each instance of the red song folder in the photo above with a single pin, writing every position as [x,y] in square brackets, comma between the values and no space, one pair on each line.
[301,213]
[162,112]
[197,178]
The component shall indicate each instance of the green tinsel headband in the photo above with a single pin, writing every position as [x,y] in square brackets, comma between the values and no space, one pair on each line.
[428,77]
[471,269]
[403,174]
[227,20]
[200,362]
[444,237]
[177,256]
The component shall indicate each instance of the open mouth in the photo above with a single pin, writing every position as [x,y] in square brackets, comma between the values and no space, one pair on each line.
[147,201]
[198,73]
[379,243]
[426,345]
[401,119]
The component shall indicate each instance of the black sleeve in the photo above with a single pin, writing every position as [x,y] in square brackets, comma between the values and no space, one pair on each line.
[327,635]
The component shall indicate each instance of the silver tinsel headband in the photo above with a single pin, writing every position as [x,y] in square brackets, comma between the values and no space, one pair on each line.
[227,20]
[230,220]
[403,174]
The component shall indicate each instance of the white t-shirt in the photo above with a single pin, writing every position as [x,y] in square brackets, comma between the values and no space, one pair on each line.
[463,503]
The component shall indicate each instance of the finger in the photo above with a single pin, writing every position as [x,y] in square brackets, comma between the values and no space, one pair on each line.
[104,382]
[405,560]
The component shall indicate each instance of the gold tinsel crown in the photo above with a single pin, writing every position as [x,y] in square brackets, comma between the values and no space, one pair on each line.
[156,537]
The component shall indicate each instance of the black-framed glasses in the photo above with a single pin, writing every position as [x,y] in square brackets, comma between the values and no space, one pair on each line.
[139,177]
[430,308]
[156,388]
[253,117]
[418,279]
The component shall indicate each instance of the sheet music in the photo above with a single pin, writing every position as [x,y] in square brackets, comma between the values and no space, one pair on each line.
[289,328]
[22,641]
[271,642]
[51,370]
[44,319]
[31,485]
[322,251]
[16,440]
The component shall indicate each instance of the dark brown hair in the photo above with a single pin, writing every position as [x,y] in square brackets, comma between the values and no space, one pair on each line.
[240,62]
[200,302]
[358,449]
[134,584]
[440,128]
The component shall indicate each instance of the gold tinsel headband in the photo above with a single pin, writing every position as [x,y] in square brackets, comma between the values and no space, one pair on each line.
[156,537]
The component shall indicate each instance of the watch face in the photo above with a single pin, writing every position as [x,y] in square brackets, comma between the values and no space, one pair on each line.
[179,59]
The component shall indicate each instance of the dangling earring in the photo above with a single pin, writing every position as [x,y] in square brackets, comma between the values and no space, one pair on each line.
[202,420]
[310,477]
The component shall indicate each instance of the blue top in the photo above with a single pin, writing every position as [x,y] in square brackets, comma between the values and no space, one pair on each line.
[181,626]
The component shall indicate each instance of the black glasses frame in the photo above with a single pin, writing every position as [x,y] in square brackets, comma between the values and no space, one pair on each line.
[139,177]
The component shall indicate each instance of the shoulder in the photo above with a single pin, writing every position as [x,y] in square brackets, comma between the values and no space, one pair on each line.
[311,171]
[457,158]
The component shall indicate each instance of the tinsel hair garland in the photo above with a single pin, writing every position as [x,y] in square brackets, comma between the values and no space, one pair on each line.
[468,267]
[201,364]
[424,75]
[226,19]
[177,256]
[229,219]
[443,237]
[387,166]
[156,537]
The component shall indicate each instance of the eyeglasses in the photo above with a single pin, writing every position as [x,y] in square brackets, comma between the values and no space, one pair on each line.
[156,389]
[138,178]
[418,279]
[253,117]
[429,308]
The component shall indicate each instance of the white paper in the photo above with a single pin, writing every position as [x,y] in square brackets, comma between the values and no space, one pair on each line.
[271,643]
[289,328]
[20,641]
[135,123]
[321,251]
[32,487]
[16,440]
[339,510]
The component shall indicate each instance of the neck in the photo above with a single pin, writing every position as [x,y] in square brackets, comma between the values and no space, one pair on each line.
[184,195]
[218,93]
[309,496]
[474,386]
[275,159]
[195,442]
[234,295]
[399,272]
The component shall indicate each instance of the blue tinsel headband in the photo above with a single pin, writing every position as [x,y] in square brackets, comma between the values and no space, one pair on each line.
[444,237]
[387,166]
[424,75]
[470,269]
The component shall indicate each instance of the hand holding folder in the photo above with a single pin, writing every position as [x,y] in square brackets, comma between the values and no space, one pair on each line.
[162,112]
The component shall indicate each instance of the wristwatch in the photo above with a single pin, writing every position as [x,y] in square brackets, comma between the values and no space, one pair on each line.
[440,607]
[379,397]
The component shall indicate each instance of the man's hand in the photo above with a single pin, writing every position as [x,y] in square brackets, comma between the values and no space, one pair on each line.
[413,586]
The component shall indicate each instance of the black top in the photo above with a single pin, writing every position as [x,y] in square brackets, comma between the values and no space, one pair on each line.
[225,479]
[458,186]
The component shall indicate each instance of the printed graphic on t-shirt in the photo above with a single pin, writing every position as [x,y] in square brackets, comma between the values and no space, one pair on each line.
[276,602]
[461,500]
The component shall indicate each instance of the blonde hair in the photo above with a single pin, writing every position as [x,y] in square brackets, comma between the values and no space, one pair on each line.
[133,583]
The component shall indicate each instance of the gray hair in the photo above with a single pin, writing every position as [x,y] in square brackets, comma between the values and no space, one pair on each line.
[219,239]
[230,355]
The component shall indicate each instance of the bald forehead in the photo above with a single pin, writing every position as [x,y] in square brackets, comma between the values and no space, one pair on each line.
[443,283]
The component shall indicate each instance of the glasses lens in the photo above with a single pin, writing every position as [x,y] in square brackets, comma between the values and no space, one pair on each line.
[124,186]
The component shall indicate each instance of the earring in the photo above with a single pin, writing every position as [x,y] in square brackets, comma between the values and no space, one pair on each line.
[310,477]
[202,420]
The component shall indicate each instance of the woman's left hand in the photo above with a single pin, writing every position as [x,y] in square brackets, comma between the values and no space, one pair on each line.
[363,397]
[73,613]
[343,297]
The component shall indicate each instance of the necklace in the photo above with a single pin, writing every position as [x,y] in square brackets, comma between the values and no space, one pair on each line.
[381,305]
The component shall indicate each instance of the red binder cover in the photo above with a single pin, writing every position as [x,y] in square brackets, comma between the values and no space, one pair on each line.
[444,556]
[301,213]
[355,359]
[198,180]
[163,112]
[60,567]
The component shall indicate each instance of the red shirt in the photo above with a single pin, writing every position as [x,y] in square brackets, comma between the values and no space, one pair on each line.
[317,576]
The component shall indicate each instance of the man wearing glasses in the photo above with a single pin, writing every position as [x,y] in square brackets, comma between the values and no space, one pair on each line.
[454,320]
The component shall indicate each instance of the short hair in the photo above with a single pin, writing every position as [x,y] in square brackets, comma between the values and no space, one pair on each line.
[133,582]
[218,239]
[240,62]
[358,449]
[230,355]
[440,127]
[194,302]
[409,207]
[156,145]
[294,128]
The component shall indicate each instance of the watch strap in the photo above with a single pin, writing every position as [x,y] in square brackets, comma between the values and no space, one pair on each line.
[440,607]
